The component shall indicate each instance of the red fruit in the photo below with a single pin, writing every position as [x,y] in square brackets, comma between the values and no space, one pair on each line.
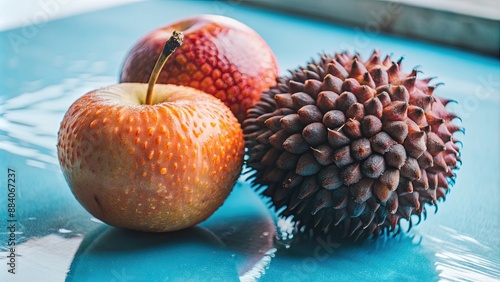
[220,56]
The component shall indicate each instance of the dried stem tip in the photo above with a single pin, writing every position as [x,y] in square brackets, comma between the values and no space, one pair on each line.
[171,45]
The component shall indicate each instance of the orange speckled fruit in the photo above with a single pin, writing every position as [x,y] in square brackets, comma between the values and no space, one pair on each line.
[220,56]
[160,167]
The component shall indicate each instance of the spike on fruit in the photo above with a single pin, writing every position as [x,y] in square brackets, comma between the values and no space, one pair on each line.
[380,145]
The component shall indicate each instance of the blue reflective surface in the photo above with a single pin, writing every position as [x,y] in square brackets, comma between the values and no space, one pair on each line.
[55,63]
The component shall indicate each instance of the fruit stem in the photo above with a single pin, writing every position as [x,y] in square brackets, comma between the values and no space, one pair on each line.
[172,43]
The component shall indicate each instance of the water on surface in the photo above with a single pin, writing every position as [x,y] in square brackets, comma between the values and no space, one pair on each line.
[462,258]
[30,121]
[243,240]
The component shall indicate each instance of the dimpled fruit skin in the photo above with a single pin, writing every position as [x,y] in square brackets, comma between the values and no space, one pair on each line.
[220,56]
[153,168]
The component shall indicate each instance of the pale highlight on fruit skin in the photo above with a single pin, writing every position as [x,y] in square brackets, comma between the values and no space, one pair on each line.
[350,147]
[164,180]
[220,56]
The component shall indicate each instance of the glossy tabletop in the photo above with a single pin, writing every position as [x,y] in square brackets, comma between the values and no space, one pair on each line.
[45,67]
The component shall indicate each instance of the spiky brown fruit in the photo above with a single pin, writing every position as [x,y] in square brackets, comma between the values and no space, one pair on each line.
[350,147]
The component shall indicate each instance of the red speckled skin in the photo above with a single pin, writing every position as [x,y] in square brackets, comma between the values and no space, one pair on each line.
[159,167]
[220,56]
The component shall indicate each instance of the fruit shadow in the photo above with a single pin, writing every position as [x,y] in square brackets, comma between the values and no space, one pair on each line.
[388,258]
[221,249]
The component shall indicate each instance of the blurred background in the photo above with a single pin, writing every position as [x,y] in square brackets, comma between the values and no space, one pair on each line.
[469,24]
